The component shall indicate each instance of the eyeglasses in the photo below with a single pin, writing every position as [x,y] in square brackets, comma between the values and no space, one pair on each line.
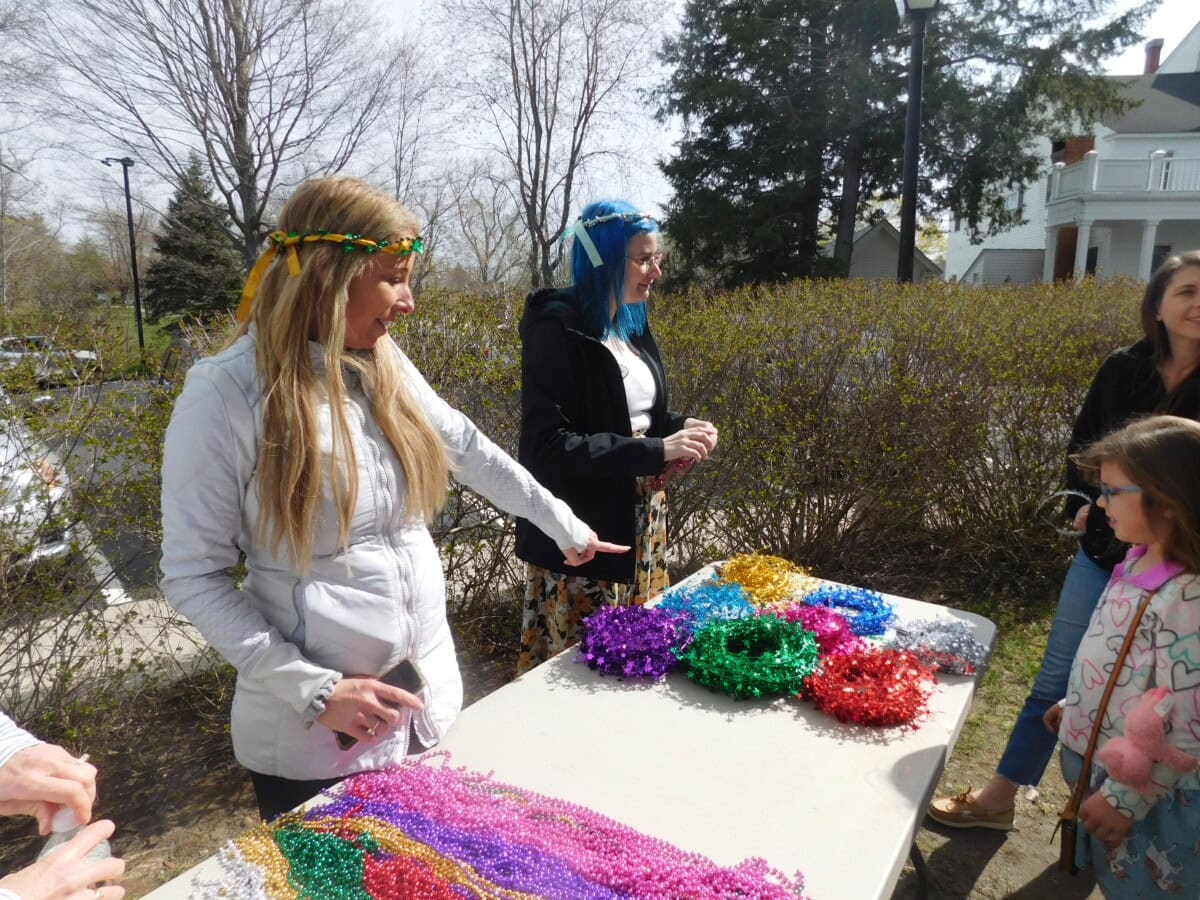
[644,262]
[1108,492]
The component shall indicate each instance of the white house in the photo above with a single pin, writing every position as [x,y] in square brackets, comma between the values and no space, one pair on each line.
[877,250]
[1114,202]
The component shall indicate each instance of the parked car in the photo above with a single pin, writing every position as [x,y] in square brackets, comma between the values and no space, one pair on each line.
[51,365]
[32,494]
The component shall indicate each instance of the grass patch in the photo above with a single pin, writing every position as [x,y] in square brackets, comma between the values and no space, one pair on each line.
[157,336]
[1021,633]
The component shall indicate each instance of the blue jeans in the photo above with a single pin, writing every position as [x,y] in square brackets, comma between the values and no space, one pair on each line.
[1030,745]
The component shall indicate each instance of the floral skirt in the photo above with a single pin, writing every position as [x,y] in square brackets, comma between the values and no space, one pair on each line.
[554,602]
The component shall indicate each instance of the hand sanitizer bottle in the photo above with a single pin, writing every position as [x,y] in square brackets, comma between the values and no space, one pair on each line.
[63,827]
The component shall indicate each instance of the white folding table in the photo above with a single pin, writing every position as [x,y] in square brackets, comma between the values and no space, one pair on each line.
[726,778]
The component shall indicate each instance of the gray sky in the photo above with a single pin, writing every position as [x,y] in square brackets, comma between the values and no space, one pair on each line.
[1171,22]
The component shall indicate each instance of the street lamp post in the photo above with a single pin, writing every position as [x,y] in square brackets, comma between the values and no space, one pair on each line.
[125,162]
[916,11]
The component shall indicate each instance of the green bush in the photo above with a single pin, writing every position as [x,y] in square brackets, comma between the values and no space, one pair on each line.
[896,437]
[900,437]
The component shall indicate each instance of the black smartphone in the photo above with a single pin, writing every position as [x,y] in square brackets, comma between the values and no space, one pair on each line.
[404,675]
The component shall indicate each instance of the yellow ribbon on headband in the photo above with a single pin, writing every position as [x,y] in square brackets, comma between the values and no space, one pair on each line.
[289,240]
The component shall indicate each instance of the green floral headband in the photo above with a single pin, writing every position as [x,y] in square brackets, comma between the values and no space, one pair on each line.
[289,240]
[579,228]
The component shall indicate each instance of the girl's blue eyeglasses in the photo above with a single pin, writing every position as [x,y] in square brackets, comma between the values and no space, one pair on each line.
[1108,492]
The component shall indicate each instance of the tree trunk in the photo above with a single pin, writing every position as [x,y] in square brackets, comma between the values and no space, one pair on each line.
[843,249]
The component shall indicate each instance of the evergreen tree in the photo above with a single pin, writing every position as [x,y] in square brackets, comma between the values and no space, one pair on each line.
[793,115]
[197,271]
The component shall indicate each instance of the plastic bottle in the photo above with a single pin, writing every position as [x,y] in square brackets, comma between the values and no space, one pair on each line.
[63,827]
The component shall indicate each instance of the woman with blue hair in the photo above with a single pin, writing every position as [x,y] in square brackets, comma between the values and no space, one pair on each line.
[596,429]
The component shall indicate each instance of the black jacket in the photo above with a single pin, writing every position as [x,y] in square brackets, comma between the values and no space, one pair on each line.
[1126,387]
[575,434]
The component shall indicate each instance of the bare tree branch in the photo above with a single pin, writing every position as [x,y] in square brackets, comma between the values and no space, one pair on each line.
[549,74]
[267,91]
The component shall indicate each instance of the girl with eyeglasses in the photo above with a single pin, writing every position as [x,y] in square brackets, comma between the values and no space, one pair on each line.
[596,427]
[1139,825]
[1158,374]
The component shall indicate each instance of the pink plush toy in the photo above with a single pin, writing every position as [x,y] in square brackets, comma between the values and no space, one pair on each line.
[1129,758]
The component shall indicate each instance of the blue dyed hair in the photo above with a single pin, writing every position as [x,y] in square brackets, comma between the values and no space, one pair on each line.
[598,284]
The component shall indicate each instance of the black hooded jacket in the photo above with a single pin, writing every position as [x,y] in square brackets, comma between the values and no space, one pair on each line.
[1127,387]
[575,434]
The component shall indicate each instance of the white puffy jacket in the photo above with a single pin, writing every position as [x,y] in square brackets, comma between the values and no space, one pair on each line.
[357,611]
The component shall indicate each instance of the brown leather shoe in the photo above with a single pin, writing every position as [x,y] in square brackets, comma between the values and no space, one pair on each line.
[961,811]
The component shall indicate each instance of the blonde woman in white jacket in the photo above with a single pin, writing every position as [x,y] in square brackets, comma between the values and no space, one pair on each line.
[313,445]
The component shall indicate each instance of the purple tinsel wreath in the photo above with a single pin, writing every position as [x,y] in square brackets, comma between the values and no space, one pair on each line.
[631,641]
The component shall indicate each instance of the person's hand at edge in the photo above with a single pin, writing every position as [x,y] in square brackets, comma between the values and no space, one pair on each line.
[1107,824]
[64,874]
[575,557]
[37,780]
[707,428]
[1079,523]
[694,443]
[365,708]
[1052,718]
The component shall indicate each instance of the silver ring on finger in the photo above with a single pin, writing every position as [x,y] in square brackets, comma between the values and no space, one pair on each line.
[371,731]
[99,894]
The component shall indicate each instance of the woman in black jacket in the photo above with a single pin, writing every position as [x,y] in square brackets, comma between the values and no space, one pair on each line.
[596,429]
[1158,374]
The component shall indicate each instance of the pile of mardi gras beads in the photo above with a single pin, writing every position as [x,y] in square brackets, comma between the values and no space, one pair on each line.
[759,656]
[871,686]
[765,578]
[869,613]
[424,830]
[631,641]
[706,602]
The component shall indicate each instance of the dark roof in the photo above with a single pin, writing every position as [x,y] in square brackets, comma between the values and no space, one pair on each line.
[1165,102]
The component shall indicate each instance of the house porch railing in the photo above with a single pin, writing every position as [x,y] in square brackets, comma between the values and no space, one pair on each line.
[1157,173]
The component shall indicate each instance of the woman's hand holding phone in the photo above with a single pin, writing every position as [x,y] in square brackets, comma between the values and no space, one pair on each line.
[365,708]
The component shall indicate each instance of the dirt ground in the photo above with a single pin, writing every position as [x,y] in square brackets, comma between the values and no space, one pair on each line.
[978,864]
[177,794]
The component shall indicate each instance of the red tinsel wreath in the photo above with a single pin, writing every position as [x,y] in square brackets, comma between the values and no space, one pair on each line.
[870,686]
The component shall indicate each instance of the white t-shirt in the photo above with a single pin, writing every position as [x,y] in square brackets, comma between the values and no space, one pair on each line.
[639,382]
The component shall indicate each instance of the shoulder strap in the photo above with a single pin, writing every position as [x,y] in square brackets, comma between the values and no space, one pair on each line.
[1072,809]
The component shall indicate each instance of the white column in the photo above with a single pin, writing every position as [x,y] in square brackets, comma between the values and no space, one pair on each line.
[1149,235]
[1082,237]
[1051,252]
[1157,160]
[1091,162]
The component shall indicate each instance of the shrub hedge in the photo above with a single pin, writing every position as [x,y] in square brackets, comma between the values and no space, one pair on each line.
[898,437]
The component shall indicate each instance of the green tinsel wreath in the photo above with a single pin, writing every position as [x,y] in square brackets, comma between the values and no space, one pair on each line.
[756,656]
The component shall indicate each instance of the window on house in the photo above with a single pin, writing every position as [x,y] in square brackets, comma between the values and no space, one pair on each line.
[957,222]
[1166,173]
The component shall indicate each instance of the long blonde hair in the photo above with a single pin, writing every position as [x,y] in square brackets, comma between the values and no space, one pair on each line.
[288,311]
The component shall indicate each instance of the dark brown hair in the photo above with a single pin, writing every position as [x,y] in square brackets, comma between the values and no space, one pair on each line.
[1156,289]
[1161,454]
